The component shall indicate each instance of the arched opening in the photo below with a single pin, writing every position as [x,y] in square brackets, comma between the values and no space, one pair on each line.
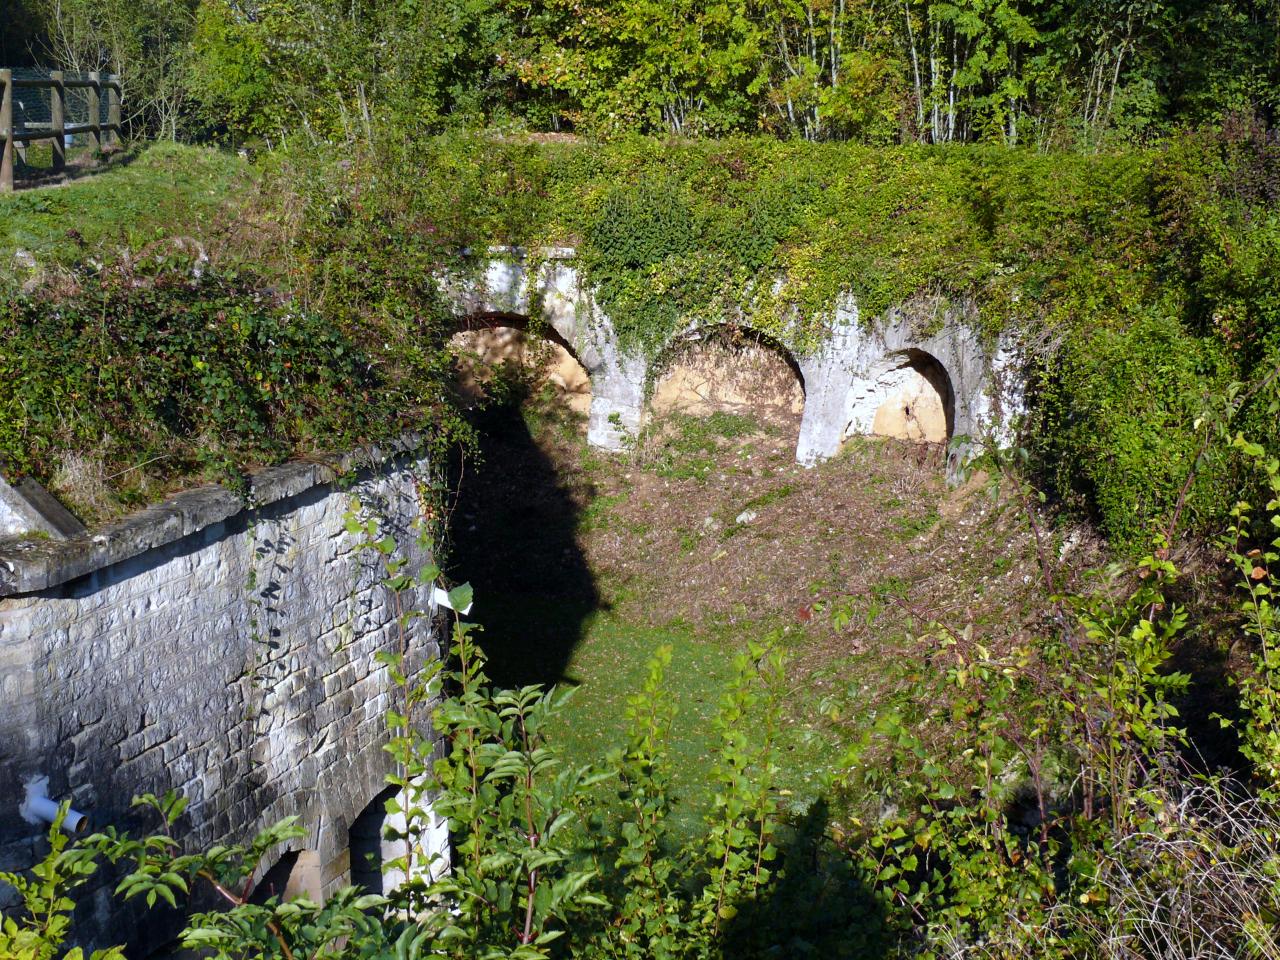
[499,357]
[377,838]
[731,370]
[295,874]
[370,849]
[916,402]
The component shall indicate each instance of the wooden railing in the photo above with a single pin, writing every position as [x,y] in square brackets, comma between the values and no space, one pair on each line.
[103,135]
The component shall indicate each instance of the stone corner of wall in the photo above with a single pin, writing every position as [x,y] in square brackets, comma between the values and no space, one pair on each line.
[31,565]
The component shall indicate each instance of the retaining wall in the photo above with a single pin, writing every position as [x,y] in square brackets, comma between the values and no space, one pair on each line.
[848,376]
[221,651]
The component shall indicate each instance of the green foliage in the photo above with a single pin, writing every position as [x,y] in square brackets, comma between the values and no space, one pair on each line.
[1122,402]
[42,927]
[1066,741]
[739,841]
[1045,72]
[163,191]
[649,901]
[345,925]
[230,76]
[1254,553]
[510,803]
[143,42]
[333,70]
[685,448]
[164,369]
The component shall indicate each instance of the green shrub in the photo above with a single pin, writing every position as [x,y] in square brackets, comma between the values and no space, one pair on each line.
[1118,409]
[161,371]
[38,930]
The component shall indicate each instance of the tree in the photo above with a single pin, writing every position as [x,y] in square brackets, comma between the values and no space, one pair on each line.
[144,42]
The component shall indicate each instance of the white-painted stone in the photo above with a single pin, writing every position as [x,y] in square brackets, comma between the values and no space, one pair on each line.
[851,374]
[235,663]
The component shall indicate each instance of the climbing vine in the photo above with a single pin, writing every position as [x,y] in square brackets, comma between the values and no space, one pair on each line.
[1137,284]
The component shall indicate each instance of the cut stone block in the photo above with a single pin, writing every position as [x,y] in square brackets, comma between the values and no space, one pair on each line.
[29,508]
[48,506]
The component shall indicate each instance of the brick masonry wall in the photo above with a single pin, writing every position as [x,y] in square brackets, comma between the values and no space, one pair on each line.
[234,663]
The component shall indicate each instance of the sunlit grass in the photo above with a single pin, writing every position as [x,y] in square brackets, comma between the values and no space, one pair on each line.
[155,192]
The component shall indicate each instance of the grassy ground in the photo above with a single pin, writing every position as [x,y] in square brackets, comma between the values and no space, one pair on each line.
[708,535]
[153,192]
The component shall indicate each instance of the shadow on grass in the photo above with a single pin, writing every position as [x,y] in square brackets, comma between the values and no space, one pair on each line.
[817,902]
[81,164]
[513,538]
[819,905]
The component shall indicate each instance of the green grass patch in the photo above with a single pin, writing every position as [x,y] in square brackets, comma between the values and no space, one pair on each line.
[155,192]
[597,513]
[689,448]
[609,665]
[909,527]
[607,660]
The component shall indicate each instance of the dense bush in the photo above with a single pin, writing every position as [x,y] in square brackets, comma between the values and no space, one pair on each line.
[119,376]
[1138,285]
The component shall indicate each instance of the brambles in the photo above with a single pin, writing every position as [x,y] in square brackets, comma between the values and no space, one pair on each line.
[139,376]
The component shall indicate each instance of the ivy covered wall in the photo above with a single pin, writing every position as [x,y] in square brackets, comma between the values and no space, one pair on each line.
[1140,284]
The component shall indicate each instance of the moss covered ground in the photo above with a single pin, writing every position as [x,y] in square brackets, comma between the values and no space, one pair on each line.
[148,193]
[603,559]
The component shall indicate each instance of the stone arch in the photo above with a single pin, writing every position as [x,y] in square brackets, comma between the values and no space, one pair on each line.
[914,398]
[296,873]
[376,839]
[725,366]
[495,319]
[836,374]
[370,848]
[487,339]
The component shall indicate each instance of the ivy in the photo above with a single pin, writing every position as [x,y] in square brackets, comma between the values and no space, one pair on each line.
[159,371]
[1138,283]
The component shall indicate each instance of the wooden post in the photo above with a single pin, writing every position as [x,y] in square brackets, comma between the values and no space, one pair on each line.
[113,109]
[58,120]
[95,108]
[6,131]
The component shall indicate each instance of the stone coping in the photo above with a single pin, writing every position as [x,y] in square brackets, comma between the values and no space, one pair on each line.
[523,253]
[31,565]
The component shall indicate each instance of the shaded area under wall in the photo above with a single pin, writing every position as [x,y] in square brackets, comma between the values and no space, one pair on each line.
[513,536]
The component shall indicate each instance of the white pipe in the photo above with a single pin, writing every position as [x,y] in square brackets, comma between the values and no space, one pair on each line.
[47,810]
[38,807]
[441,598]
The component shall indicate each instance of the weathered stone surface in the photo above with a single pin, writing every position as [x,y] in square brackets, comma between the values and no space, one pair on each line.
[223,651]
[28,509]
[846,380]
[62,520]
[852,376]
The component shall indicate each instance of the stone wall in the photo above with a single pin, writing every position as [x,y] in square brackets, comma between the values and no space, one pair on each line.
[846,380]
[223,652]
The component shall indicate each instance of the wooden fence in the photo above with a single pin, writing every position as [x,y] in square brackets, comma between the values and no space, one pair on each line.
[102,134]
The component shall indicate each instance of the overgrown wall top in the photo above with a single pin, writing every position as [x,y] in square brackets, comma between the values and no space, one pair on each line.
[1139,284]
